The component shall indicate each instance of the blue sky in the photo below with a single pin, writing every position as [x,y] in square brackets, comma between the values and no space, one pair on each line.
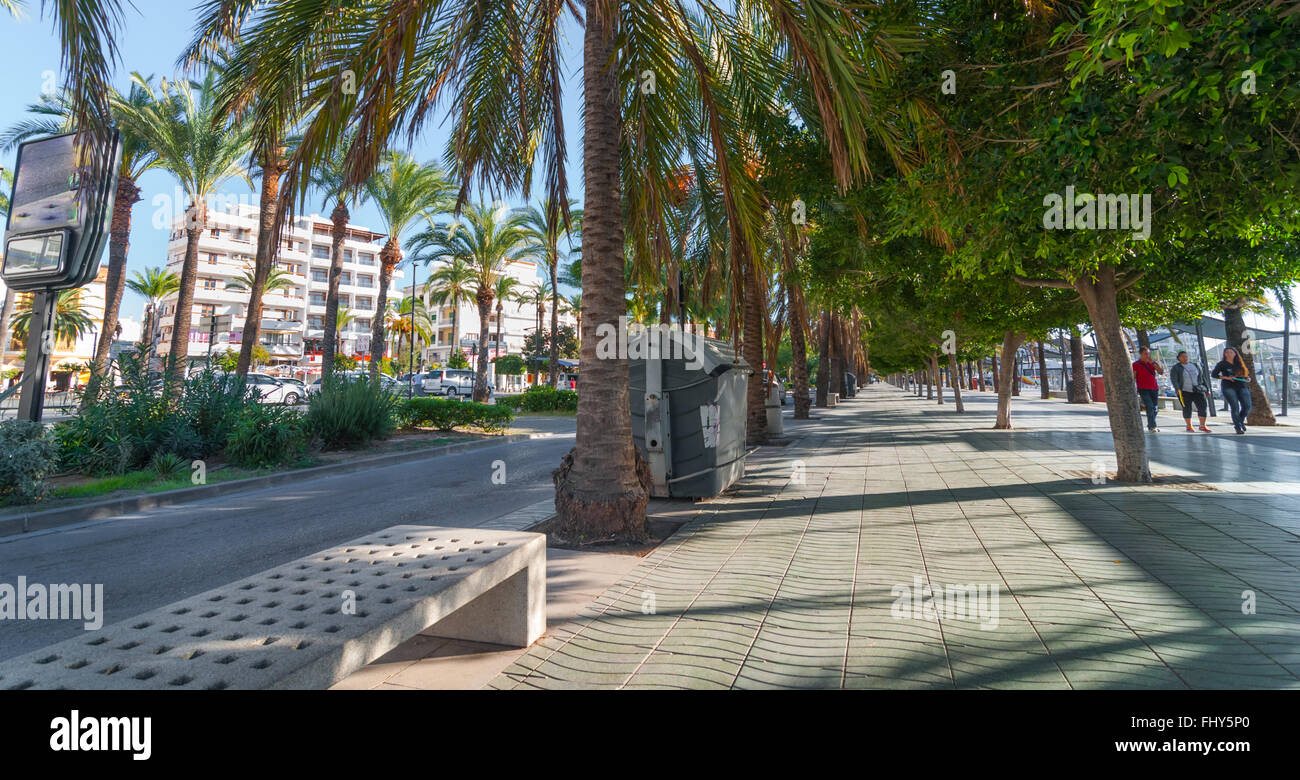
[153,35]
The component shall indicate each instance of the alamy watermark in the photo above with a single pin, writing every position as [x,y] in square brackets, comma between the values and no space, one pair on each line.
[634,341]
[58,601]
[1100,211]
[923,601]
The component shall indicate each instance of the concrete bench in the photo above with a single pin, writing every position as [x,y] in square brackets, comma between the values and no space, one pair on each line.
[313,621]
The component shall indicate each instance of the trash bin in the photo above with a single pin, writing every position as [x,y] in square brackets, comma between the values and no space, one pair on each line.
[687,395]
[1098,389]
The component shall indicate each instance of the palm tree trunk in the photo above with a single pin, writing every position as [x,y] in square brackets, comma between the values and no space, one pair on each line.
[178,355]
[484,299]
[339,217]
[798,351]
[1261,413]
[823,359]
[601,486]
[389,257]
[555,314]
[125,197]
[752,347]
[268,218]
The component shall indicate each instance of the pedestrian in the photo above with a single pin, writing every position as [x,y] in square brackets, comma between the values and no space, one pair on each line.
[1191,385]
[1234,382]
[1144,372]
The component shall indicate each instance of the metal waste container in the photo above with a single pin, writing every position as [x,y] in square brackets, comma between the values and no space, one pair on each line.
[687,395]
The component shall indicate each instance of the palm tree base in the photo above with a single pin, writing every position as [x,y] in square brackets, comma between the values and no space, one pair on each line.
[584,514]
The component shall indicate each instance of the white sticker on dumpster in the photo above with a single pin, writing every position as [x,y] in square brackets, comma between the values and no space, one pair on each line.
[709,424]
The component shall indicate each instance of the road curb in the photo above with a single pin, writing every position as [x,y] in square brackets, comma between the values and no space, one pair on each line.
[96,510]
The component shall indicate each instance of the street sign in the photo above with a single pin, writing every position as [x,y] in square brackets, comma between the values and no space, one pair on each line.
[59,214]
[60,209]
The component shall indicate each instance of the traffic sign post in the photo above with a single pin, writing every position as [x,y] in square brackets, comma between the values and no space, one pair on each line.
[40,345]
[60,209]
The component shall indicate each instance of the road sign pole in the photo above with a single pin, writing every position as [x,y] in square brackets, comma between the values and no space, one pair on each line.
[40,343]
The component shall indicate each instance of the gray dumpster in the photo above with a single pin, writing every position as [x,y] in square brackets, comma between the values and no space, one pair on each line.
[688,411]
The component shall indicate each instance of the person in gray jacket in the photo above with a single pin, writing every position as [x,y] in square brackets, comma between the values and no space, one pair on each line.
[1192,385]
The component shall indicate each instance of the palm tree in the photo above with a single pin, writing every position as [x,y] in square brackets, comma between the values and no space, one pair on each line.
[71,320]
[486,239]
[404,191]
[52,115]
[451,285]
[87,33]
[153,285]
[573,303]
[505,290]
[329,178]
[546,224]
[202,151]
[399,322]
[537,296]
[506,68]
[277,279]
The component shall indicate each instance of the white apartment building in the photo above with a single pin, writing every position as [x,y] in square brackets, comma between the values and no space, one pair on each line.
[293,319]
[518,320]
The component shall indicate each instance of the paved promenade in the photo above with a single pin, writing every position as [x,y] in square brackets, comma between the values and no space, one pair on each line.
[897,544]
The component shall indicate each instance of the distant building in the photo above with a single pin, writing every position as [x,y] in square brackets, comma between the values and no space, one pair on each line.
[518,320]
[293,319]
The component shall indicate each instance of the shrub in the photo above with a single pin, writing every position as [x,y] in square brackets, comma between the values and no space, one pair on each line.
[167,464]
[350,413]
[265,436]
[122,428]
[27,455]
[544,398]
[446,414]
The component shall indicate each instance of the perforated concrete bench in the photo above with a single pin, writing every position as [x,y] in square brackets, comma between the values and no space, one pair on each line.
[289,627]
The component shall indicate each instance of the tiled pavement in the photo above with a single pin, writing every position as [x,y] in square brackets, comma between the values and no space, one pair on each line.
[796,577]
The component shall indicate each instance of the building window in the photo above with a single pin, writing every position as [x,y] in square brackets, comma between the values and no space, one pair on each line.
[319,252]
[319,276]
[318,299]
[365,258]
[315,321]
[365,302]
[213,259]
[209,284]
[345,278]
[366,280]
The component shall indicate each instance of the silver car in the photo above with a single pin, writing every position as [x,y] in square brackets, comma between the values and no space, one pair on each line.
[451,382]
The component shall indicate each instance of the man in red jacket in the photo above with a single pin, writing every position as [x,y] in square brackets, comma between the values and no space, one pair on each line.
[1144,372]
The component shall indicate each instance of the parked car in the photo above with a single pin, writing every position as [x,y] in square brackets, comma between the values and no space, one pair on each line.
[385,381]
[451,382]
[270,390]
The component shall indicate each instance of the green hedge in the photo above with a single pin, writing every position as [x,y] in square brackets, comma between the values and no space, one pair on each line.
[446,414]
[542,398]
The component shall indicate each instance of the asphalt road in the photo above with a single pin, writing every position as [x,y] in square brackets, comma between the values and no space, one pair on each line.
[150,559]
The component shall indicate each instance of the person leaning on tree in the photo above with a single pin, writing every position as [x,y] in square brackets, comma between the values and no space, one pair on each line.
[1191,385]
[1144,373]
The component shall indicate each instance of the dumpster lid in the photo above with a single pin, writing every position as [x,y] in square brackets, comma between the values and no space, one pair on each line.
[713,356]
